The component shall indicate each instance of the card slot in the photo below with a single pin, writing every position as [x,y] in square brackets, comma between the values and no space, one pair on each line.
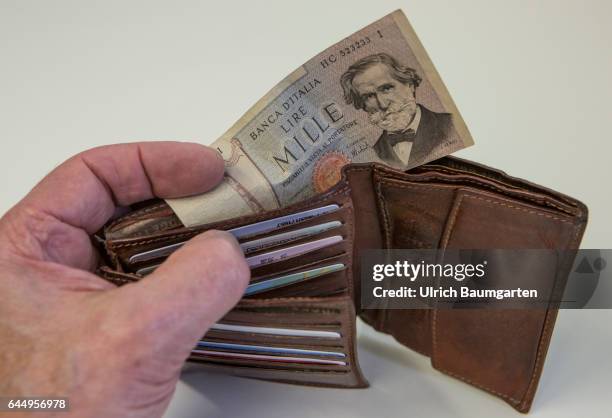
[328,284]
[277,340]
[271,349]
[274,257]
[282,279]
[158,219]
[312,321]
[337,349]
[313,318]
[285,316]
[256,358]
[331,314]
[274,269]
[336,214]
[293,252]
[340,214]
[341,230]
[272,365]
[328,328]
[134,257]
[301,317]
[341,258]
[342,377]
[314,313]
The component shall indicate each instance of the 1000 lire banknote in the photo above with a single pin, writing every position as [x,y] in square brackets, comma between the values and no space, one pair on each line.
[372,97]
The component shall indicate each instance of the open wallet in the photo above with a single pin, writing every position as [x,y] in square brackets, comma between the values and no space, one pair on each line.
[296,322]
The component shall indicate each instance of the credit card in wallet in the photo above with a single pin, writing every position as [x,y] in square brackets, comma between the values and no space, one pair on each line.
[263,357]
[281,221]
[274,256]
[268,349]
[285,332]
[281,281]
[290,252]
[243,231]
[286,237]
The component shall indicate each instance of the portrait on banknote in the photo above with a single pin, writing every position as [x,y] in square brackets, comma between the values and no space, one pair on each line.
[386,90]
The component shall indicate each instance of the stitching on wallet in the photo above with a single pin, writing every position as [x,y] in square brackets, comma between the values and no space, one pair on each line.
[434,327]
[151,240]
[545,330]
[353,168]
[350,341]
[521,209]
[471,382]
[383,206]
[387,230]
[349,254]
[455,212]
[546,333]
[270,301]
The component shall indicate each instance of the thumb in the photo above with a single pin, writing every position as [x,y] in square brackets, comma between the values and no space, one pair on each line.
[189,292]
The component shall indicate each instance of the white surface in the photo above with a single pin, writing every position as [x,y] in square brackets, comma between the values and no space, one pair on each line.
[531,80]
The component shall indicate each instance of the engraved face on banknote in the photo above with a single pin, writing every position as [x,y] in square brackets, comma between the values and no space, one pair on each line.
[375,96]
[386,90]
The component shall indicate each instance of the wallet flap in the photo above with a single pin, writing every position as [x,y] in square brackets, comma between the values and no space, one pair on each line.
[472,207]
[501,350]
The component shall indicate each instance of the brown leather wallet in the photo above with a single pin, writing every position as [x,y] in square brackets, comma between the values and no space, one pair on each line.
[449,203]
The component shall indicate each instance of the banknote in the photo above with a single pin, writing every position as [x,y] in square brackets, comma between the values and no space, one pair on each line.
[375,96]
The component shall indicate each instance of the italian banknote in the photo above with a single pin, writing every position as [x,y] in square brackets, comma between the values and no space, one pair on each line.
[375,96]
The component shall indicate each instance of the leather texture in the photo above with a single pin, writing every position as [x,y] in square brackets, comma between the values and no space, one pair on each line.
[449,203]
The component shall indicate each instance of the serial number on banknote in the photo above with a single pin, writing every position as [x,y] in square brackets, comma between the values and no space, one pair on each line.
[355,46]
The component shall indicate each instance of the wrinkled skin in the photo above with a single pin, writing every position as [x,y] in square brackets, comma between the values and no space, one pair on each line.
[67,333]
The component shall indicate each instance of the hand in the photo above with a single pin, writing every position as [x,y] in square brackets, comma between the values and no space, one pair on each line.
[67,333]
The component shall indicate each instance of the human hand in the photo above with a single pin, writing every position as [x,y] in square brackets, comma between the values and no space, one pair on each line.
[68,333]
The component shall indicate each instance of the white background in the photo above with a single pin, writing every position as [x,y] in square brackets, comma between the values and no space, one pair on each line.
[531,79]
